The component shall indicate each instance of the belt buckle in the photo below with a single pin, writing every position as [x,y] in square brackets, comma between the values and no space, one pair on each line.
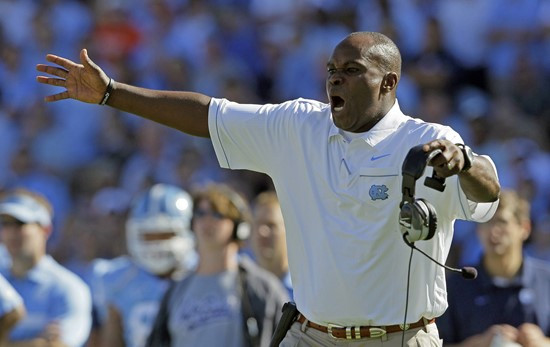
[329,329]
[377,332]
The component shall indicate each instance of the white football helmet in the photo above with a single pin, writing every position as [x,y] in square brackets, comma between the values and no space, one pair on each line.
[162,208]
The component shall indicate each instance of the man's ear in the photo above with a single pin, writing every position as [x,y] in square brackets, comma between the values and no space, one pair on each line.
[526,226]
[389,82]
[47,231]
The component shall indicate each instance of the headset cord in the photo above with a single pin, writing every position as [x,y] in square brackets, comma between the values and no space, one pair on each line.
[407,299]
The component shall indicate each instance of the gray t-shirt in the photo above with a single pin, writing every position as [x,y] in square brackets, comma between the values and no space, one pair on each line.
[209,313]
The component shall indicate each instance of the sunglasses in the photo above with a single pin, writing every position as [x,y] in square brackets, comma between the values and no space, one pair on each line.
[199,213]
[6,223]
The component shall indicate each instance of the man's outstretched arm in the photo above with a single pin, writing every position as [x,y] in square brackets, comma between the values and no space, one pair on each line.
[87,82]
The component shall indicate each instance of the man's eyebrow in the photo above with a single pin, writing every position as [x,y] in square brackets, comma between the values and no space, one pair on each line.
[347,63]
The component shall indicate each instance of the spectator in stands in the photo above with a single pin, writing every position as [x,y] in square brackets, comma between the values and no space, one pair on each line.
[510,300]
[268,237]
[161,248]
[58,303]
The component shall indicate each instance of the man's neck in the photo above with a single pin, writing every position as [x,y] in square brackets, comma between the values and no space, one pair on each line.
[384,109]
[506,266]
[23,264]
[212,262]
[279,268]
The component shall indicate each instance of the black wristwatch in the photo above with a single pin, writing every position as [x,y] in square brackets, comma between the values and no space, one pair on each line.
[468,156]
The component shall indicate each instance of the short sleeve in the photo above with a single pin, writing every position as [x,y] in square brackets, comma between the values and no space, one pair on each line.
[477,211]
[255,137]
[74,306]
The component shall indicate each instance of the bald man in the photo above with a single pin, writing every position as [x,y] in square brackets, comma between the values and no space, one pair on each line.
[336,168]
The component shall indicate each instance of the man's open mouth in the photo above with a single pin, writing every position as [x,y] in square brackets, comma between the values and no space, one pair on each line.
[337,103]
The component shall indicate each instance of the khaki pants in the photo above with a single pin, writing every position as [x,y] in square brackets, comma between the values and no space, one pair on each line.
[303,336]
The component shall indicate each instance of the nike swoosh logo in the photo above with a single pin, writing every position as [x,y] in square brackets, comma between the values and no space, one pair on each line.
[373,158]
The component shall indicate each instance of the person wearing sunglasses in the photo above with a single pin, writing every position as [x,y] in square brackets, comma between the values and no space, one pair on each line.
[228,300]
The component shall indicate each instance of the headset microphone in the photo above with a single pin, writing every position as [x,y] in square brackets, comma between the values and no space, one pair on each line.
[467,272]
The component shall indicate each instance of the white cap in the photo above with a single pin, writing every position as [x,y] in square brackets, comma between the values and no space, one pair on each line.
[25,209]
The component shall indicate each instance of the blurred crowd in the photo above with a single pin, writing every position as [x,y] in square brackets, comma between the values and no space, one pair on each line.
[480,66]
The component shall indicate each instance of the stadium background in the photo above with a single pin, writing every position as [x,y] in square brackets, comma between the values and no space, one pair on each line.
[480,66]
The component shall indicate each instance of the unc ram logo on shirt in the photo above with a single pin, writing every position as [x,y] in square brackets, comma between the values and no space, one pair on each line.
[378,192]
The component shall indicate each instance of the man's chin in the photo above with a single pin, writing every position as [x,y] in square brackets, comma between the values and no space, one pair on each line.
[268,253]
[341,124]
[496,251]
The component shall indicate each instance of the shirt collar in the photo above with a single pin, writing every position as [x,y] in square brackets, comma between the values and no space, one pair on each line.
[381,130]
[39,273]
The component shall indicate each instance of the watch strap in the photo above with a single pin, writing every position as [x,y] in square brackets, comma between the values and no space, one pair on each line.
[468,156]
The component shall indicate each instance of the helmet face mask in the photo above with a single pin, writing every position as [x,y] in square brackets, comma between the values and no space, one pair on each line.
[157,232]
[159,255]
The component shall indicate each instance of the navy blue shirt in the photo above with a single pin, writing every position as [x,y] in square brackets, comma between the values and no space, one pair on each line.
[475,305]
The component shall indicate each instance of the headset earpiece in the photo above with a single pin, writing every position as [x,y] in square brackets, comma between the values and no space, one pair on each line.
[431,217]
[242,228]
[418,220]
[242,231]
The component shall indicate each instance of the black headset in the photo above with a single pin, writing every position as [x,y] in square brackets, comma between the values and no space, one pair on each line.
[242,229]
[417,217]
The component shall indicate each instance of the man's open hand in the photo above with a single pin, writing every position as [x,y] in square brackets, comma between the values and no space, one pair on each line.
[84,82]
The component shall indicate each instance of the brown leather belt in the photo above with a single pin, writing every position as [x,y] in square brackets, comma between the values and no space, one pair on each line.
[360,332]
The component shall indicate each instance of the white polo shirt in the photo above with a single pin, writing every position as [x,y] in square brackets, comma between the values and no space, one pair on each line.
[347,259]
